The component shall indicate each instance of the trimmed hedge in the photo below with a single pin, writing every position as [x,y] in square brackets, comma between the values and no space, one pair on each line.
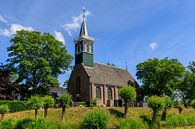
[16,105]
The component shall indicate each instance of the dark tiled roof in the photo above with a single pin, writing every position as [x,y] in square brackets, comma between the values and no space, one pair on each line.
[110,75]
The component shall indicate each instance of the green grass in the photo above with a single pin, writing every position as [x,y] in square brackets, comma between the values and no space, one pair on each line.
[74,117]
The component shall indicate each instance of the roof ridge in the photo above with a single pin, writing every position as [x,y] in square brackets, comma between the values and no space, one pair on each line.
[111,66]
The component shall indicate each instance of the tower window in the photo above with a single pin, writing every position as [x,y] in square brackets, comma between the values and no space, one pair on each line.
[88,49]
[98,92]
[110,93]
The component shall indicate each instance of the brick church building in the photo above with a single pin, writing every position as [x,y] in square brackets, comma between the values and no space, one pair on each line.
[90,80]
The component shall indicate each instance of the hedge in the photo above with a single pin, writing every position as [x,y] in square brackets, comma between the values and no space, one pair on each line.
[16,105]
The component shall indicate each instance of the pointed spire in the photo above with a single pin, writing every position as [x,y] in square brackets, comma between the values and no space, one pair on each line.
[83,31]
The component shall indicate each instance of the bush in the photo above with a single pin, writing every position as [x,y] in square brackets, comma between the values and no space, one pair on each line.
[16,106]
[95,119]
[7,124]
[3,109]
[193,103]
[35,124]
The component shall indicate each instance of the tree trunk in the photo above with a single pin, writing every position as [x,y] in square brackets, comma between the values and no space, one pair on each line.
[164,115]
[36,113]
[45,112]
[2,116]
[126,108]
[63,112]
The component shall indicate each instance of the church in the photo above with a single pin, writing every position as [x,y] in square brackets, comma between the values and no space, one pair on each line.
[93,81]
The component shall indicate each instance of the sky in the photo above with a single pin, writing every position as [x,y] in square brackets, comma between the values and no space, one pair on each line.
[126,32]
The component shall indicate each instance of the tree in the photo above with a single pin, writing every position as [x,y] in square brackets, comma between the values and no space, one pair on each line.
[4,108]
[48,102]
[9,89]
[128,93]
[64,101]
[157,104]
[187,84]
[168,104]
[36,103]
[38,59]
[159,77]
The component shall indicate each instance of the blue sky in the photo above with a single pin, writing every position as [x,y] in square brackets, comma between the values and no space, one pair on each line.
[129,31]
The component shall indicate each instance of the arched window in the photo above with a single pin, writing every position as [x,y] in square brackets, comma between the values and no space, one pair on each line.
[98,92]
[78,85]
[109,93]
[88,48]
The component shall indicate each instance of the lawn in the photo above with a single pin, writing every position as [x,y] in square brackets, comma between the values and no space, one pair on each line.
[73,116]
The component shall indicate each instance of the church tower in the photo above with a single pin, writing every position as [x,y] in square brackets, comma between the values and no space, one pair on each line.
[84,46]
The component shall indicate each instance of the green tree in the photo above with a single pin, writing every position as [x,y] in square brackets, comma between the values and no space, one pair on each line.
[36,102]
[128,93]
[187,84]
[38,59]
[48,102]
[168,104]
[64,101]
[159,77]
[157,104]
[4,108]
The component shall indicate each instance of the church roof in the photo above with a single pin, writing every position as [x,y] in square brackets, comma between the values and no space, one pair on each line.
[109,75]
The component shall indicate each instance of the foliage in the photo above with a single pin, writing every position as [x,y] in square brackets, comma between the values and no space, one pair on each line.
[48,101]
[168,103]
[38,59]
[159,77]
[4,109]
[35,124]
[16,106]
[64,100]
[7,124]
[156,103]
[36,102]
[96,119]
[193,103]
[7,84]
[128,93]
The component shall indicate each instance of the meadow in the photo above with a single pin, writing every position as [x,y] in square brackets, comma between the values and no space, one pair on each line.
[134,119]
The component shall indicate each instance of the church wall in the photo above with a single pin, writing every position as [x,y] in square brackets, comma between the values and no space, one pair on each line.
[84,84]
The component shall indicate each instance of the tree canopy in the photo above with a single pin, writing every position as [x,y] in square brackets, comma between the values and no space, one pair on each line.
[159,77]
[38,59]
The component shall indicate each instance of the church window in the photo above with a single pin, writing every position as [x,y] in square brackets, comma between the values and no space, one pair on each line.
[109,93]
[78,85]
[98,92]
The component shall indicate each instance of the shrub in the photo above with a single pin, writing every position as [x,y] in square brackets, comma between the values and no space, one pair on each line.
[64,101]
[36,103]
[48,102]
[95,119]
[35,124]
[128,93]
[7,124]
[16,105]
[22,124]
[193,103]
[3,109]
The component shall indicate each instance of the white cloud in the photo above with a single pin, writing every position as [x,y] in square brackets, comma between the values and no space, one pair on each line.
[75,24]
[59,36]
[2,19]
[13,28]
[153,46]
